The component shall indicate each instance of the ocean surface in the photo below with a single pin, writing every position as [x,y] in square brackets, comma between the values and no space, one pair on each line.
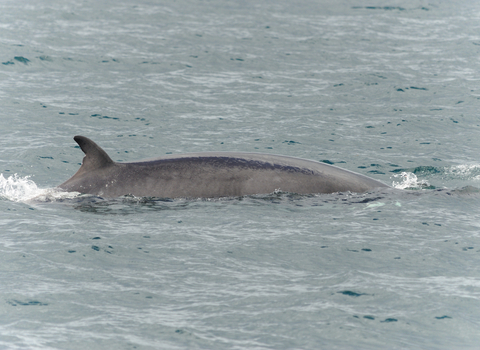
[387,89]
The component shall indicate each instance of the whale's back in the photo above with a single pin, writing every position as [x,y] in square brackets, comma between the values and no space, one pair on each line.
[210,174]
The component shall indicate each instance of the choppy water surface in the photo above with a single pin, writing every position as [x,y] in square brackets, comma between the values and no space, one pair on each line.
[387,90]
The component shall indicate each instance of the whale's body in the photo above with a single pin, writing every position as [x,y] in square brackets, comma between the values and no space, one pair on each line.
[209,175]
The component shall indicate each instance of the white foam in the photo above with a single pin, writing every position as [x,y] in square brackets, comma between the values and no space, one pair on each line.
[464,171]
[409,181]
[22,189]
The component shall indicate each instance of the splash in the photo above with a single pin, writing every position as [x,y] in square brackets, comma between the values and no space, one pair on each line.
[409,181]
[22,189]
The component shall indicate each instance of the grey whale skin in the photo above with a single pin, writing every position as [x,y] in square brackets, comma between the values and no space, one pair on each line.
[209,175]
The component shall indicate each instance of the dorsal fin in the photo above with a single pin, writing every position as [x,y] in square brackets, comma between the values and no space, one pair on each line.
[95,157]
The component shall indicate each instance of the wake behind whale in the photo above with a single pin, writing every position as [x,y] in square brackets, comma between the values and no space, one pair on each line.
[209,175]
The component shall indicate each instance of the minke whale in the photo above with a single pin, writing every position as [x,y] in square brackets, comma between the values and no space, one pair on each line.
[209,175]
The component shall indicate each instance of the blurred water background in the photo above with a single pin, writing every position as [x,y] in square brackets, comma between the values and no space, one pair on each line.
[387,89]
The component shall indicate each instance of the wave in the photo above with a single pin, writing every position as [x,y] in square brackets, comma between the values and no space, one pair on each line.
[464,172]
[453,174]
[410,181]
[22,189]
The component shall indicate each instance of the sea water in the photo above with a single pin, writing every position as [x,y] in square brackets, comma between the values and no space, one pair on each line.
[389,90]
